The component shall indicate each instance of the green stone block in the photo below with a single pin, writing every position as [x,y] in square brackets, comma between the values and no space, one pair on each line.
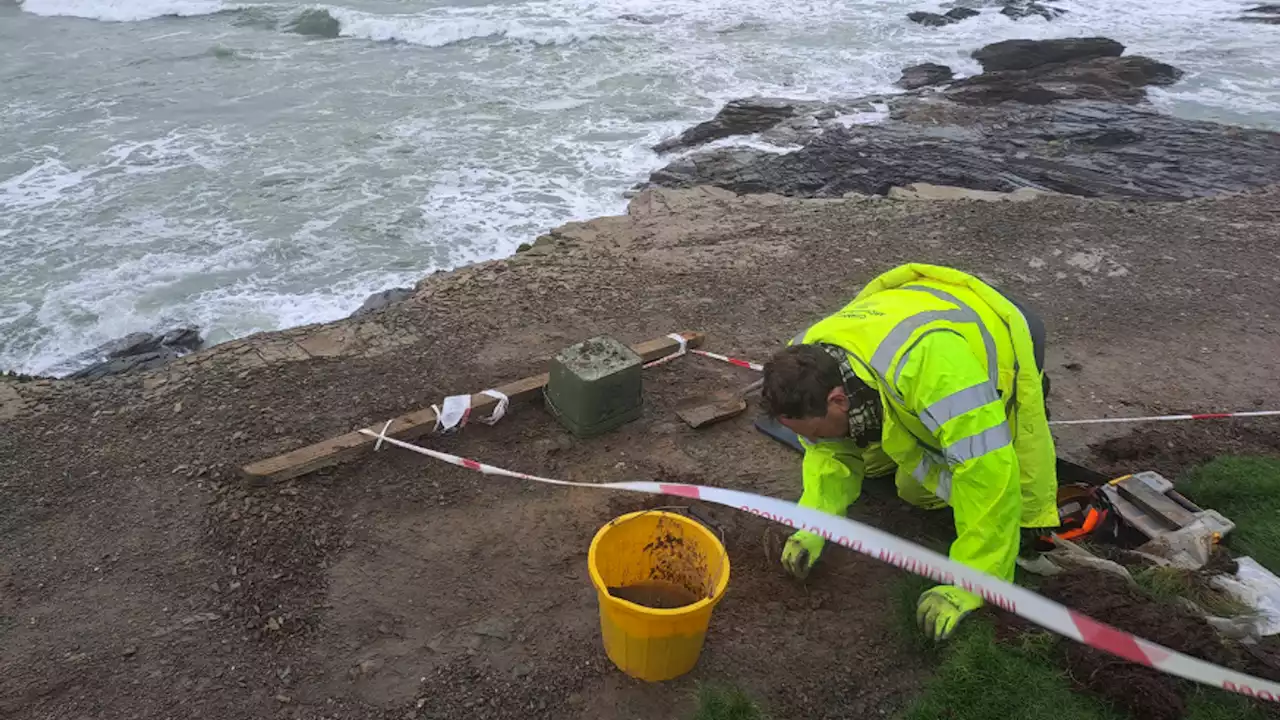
[594,386]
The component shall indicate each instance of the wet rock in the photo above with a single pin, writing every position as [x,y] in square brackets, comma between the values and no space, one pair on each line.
[738,117]
[1120,79]
[120,366]
[316,23]
[383,299]
[1019,11]
[961,13]
[1261,19]
[1075,128]
[184,338]
[131,344]
[924,75]
[1079,147]
[136,351]
[1027,54]
[929,19]
[953,15]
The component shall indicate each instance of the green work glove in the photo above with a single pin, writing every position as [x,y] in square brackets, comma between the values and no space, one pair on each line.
[801,552]
[941,608]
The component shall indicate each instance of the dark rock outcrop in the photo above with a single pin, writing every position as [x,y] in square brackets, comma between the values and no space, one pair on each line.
[738,117]
[1016,9]
[1074,126]
[929,19]
[953,15]
[1088,148]
[136,351]
[315,22]
[924,75]
[1120,79]
[382,299]
[1262,14]
[1019,11]
[1027,54]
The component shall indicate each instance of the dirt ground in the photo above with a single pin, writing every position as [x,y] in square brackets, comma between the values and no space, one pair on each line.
[1143,692]
[140,578]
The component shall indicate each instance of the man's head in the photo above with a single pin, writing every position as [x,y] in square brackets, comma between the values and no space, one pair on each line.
[803,389]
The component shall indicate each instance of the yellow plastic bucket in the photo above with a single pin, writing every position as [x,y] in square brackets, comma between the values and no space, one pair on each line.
[655,548]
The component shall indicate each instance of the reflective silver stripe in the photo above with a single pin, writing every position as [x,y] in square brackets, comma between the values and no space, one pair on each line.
[921,473]
[901,334]
[799,339]
[944,485]
[974,446]
[957,404]
[988,342]
[922,469]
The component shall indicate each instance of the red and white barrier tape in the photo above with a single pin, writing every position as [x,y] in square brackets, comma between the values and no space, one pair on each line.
[732,361]
[921,561]
[1168,418]
[1092,421]
[685,350]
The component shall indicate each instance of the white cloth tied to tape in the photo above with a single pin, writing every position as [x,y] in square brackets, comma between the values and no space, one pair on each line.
[684,349]
[455,411]
[499,410]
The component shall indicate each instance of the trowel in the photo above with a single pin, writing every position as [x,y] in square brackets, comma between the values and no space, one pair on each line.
[714,408]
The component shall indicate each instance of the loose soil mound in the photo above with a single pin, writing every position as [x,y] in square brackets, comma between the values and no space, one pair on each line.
[1141,691]
[1173,448]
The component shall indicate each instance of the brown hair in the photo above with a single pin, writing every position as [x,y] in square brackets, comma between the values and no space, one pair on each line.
[797,381]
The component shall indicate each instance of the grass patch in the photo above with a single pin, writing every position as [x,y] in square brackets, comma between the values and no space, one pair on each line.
[1247,491]
[906,594]
[1168,584]
[721,702]
[980,679]
[1205,703]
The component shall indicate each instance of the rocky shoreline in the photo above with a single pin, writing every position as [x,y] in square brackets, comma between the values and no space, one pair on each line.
[1067,116]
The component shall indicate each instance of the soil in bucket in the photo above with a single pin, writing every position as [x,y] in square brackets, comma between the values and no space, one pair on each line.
[656,594]
[658,575]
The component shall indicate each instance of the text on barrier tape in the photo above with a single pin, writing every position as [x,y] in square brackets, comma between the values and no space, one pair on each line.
[922,561]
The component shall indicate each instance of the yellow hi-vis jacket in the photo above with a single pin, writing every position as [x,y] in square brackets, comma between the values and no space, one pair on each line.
[963,406]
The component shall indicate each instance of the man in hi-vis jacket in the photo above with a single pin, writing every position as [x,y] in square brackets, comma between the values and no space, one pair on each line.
[933,371]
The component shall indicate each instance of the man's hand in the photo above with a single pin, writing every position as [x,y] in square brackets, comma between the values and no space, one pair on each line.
[941,608]
[801,552]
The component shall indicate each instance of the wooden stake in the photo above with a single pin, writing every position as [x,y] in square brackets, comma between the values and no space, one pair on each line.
[336,450]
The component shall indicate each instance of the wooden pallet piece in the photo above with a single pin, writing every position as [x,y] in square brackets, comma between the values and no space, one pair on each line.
[413,425]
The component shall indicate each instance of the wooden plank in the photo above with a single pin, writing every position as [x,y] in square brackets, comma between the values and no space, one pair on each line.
[1156,503]
[718,407]
[420,422]
[1149,525]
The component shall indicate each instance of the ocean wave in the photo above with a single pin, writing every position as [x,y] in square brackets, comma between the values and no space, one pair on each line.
[439,31]
[124,10]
